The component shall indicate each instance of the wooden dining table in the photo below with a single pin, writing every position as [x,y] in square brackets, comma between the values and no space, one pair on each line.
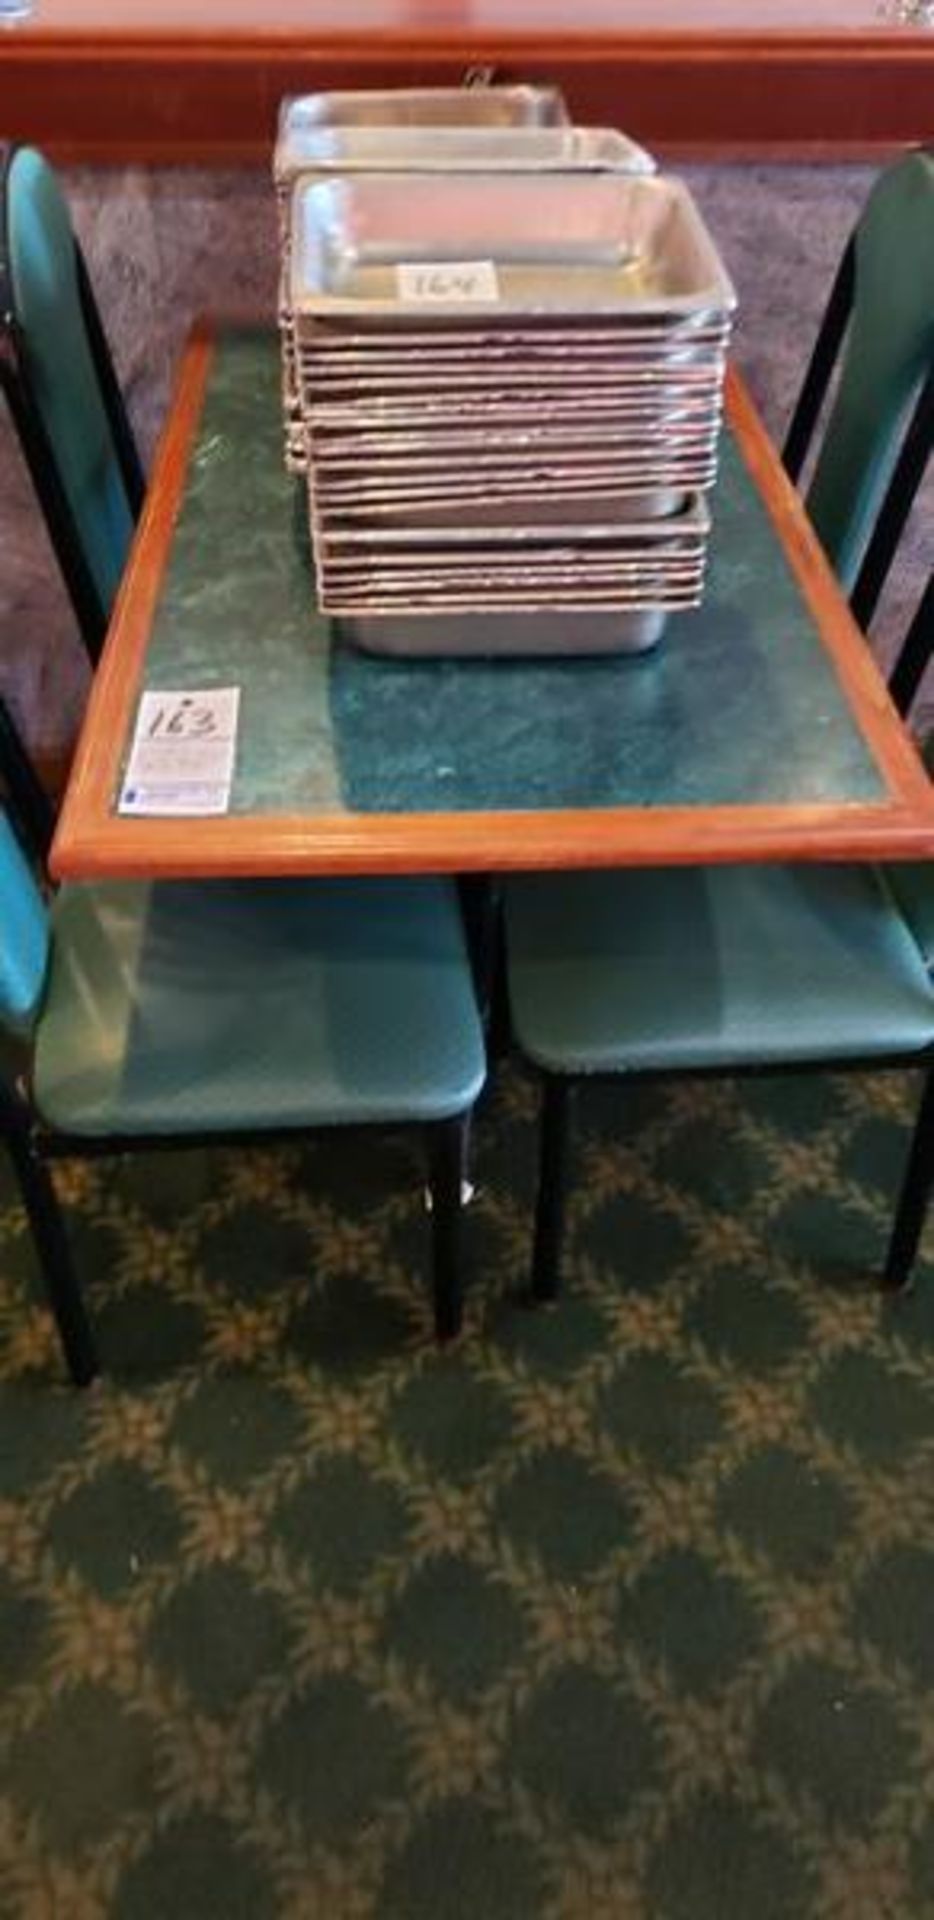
[759,728]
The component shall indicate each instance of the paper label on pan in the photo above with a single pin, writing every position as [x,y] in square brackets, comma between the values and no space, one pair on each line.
[449,280]
[182,757]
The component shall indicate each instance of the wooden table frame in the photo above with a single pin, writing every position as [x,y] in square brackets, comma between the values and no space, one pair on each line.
[92,842]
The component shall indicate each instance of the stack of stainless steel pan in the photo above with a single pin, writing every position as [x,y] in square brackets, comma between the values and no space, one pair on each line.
[431,130]
[508,394]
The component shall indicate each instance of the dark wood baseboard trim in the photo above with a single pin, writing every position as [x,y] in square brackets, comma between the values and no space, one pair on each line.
[193,101]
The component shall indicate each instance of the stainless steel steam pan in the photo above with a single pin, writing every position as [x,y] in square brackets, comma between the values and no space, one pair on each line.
[564,556]
[690,366]
[393,350]
[520,430]
[683,531]
[498,423]
[467,366]
[407,409]
[642,584]
[464,380]
[488,563]
[505,428]
[568,506]
[338,339]
[541,473]
[338,466]
[480,148]
[332,343]
[575,629]
[366,456]
[519,600]
[556,243]
[666,466]
[482,592]
[505,607]
[407,508]
[649,405]
[494,509]
[441,577]
[508,106]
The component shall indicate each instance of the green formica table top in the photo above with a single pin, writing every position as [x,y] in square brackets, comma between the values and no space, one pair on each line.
[737,703]
[739,707]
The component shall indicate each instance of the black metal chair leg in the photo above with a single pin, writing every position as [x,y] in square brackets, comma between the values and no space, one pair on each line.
[447,1152]
[30,803]
[499,1025]
[481,907]
[466,1151]
[914,1196]
[552,1188]
[48,1228]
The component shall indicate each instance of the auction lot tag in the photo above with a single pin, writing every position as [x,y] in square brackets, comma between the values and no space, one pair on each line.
[182,757]
[448,280]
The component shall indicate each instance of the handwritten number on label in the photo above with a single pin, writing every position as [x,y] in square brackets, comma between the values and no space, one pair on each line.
[185,720]
[441,280]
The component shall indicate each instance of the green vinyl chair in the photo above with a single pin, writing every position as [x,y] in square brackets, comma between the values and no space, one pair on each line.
[789,966]
[877,438]
[62,392]
[156,1016]
[722,970]
[164,1014]
[65,404]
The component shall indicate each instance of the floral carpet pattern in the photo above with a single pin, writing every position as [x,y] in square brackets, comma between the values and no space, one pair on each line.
[623,1610]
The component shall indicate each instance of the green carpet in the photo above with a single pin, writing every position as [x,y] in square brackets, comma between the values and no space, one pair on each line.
[619,1612]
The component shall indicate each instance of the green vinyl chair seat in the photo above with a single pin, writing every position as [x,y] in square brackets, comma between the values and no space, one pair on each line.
[718,967]
[195,1008]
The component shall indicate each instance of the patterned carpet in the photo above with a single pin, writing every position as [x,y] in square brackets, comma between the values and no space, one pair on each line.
[623,1611]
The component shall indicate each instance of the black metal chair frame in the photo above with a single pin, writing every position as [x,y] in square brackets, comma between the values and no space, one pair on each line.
[28,803]
[559,1090]
[32,1146]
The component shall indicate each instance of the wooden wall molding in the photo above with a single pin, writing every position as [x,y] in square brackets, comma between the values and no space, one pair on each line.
[189,97]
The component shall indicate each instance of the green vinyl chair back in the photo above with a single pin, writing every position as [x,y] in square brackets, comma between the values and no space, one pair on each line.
[63,392]
[884,302]
[24,934]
